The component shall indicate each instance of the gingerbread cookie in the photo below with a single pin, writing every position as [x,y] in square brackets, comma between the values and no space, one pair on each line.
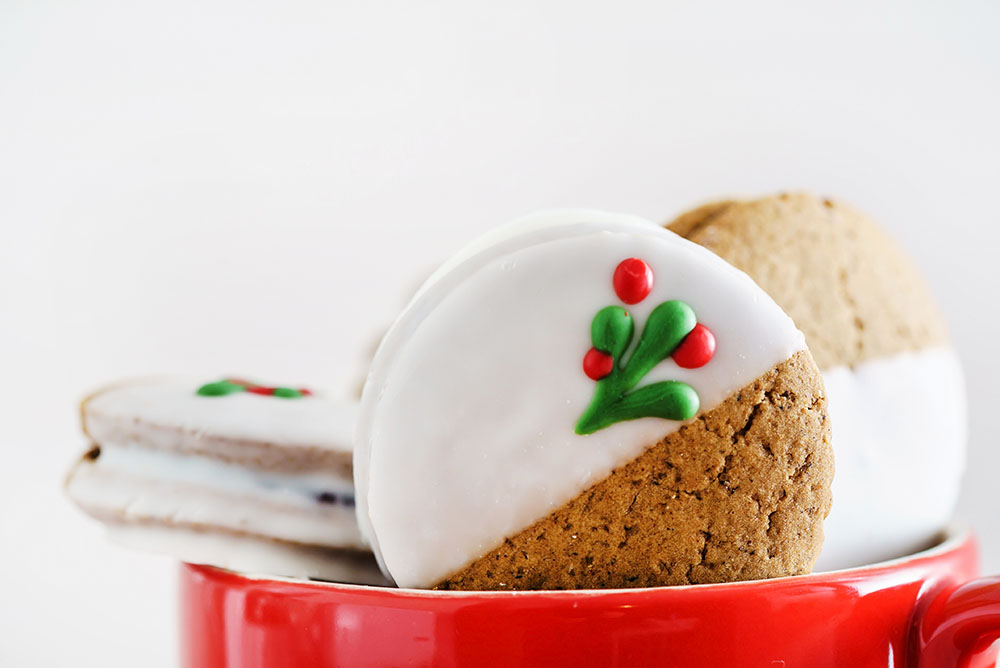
[893,381]
[228,473]
[583,399]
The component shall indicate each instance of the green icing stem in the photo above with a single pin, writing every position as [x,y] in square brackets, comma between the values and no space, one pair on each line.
[613,401]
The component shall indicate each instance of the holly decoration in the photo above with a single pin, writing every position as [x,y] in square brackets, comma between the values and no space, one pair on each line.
[696,349]
[596,364]
[633,280]
[671,330]
[233,385]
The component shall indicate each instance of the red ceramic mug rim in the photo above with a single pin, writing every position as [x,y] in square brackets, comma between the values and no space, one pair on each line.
[951,538]
[928,605]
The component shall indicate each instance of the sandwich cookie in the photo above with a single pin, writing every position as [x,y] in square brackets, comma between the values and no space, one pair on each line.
[230,473]
[586,400]
[893,380]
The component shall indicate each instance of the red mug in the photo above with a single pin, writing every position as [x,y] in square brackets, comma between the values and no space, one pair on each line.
[921,611]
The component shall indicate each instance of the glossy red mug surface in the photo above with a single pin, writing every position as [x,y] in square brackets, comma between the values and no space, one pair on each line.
[922,611]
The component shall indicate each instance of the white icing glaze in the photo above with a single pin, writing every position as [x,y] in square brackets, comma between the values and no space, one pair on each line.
[144,487]
[248,555]
[309,421]
[466,429]
[899,437]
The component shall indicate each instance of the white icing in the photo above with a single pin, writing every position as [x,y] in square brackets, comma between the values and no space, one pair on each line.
[308,421]
[248,555]
[118,488]
[466,428]
[131,459]
[899,437]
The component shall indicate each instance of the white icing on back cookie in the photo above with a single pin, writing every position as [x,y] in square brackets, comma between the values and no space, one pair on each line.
[466,434]
[899,465]
[312,421]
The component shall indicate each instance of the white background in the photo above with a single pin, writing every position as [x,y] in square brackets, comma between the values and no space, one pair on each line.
[246,188]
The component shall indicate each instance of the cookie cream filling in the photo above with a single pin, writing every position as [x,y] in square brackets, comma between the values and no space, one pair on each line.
[303,489]
[899,430]
[466,434]
[136,484]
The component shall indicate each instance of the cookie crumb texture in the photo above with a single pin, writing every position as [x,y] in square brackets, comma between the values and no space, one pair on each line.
[740,493]
[847,285]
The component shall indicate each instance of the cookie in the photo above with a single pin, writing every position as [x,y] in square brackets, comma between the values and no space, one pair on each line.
[229,473]
[893,381]
[582,399]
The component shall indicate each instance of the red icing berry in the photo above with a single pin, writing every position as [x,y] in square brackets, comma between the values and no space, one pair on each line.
[260,389]
[633,280]
[596,364]
[696,349]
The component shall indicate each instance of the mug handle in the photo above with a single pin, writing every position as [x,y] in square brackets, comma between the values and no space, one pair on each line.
[959,625]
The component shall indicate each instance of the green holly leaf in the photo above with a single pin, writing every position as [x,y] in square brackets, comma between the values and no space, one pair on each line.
[220,389]
[611,331]
[665,328]
[668,399]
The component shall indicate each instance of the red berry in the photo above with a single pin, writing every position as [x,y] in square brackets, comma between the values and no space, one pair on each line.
[696,349]
[596,364]
[633,280]
[260,389]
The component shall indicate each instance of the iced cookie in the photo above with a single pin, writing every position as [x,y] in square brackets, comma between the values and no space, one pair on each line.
[582,399]
[228,473]
[893,381]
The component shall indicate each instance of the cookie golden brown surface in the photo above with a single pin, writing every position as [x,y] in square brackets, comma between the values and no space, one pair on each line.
[796,246]
[740,493]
